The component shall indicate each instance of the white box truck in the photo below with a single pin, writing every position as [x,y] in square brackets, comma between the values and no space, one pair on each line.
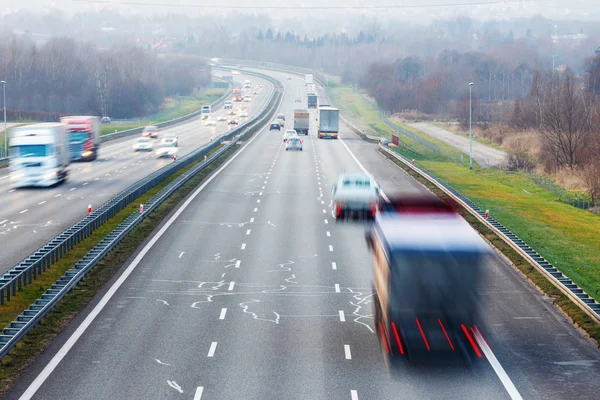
[39,155]
[84,137]
[205,112]
[308,79]
[328,122]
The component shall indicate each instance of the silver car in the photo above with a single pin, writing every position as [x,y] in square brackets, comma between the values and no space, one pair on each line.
[288,134]
[143,144]
[355,194]
[293,143]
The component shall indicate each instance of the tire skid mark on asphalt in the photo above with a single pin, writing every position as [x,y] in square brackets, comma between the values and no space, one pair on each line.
[245,305]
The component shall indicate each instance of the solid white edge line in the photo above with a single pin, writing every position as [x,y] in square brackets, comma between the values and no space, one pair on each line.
[500,372]
[62,352]
[354,394]
[223,312]
[213,348]
[198,394]
[347,352]
[361,167]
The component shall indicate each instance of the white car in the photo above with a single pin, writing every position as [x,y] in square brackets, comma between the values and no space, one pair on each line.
[222,118]
[247,99]
[210,122]
[167,150]
[293,143]
[244,114]
[169,140]
[143,144]
[288,134]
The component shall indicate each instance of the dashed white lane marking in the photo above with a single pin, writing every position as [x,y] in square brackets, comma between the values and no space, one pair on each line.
[326,221]
[342,316]
[11,190]
[251,220]
[198,395]
[354,395]
[97,179]
[333,265]
[258,201]
[347,352]
[330,248]
[24,211]
[213,348]
[243,246]
[248,231]
[1,222]
[337,288]
[324,211]
[72,189]
[58,195]
[85,183]
[41,202]
[256,209]
[322,202]
[231,285]
[328,233]
[223,312]
[181,253]
[260,194]
[238,263]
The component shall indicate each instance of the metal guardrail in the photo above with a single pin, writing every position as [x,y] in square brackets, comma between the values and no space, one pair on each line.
[278,67]
[587,304]
[29,318]
[27,270]
[583,300]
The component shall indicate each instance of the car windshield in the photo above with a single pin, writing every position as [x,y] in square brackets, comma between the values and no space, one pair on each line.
[150,129]
[80,136]
[359,182]
[31,150]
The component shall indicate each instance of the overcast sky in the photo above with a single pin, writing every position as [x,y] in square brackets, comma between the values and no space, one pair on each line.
[420,10]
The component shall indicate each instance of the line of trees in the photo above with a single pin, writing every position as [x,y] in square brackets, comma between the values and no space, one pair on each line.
[64,76]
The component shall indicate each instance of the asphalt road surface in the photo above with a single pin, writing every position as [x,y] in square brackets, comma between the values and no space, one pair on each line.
[30,217]
[251,290]
[485,156]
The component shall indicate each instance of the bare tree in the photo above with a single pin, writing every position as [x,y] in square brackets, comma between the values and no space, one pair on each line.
[566,117]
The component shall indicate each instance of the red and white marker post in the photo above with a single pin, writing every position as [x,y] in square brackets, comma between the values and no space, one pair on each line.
[89,209]
[487,214]
[141,208]
[413,161]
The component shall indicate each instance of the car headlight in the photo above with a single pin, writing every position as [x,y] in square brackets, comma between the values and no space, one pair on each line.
[87,153]
[50,175]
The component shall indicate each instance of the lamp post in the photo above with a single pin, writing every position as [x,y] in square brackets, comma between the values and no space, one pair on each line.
[470,126]
[4,107]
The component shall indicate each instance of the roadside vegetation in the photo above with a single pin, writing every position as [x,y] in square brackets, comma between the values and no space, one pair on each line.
[564,235]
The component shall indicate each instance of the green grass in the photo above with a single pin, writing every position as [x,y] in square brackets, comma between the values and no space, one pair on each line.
[174,108]
[448,127]
[564,235]
[23,355]
[533,275]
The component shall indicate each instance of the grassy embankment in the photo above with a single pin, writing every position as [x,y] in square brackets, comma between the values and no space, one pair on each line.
[174,108]
[566,236]
[14,364]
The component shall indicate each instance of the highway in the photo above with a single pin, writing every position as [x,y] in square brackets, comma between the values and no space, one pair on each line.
[251,290]
[30,217]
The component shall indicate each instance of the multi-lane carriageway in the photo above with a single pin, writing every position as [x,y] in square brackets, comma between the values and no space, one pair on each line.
[31,217]
[252,291]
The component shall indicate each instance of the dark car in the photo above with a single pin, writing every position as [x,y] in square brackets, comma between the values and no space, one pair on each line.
[275,125]
[233,122]
[105,120]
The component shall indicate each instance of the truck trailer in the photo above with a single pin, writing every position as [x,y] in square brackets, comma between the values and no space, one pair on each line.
[428,267]
[308,79]
[312,100]
[84,137]
[301,121]
[39,155]
[328,122]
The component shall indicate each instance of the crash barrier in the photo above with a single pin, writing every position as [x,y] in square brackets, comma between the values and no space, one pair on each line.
[277,67]
[583,300]
[23,274]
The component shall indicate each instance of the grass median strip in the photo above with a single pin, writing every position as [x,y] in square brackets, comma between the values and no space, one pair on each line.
[44,333]
[558,298]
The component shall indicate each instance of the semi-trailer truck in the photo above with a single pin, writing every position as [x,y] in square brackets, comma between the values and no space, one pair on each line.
[312,101]
[301,121]
[428,267]
[310,88]
[39,155]
[328,122]
[84,137]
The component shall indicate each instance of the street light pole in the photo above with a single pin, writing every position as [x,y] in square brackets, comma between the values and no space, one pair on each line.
[4,107]
[470,126]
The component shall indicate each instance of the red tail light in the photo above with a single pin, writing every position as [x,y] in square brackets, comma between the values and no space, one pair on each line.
[338,210]
[384,338]
[397,338]
[372,210]
[300,141]
[468,335]
[447,337]
[423,334]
